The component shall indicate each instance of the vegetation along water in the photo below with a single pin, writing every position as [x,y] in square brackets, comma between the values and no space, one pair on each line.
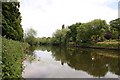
[88,49]
[70,62]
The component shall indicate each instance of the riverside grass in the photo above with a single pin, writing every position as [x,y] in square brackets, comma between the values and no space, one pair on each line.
[13,53]
[108,44]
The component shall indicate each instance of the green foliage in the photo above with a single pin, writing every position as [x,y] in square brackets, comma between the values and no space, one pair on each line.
[11,21]
[43,41]
[73,32]
[91,61]
[30,36]
[13,53]
[83,34]
[92,31]
[115,23]
[115,28]
[112,45]
[59,37]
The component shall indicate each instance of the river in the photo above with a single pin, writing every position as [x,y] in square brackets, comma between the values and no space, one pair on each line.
[61,62]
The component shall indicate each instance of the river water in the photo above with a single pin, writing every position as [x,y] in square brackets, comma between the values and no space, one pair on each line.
[61,62]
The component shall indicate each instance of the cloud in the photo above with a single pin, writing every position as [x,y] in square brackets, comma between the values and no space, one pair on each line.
[119,9]
[45,16]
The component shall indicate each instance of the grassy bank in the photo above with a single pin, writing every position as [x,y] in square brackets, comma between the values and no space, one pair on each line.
[99,45]
[13,53]
[108,44]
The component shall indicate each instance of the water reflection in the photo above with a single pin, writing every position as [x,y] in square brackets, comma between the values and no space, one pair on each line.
[30,56]
[97,63]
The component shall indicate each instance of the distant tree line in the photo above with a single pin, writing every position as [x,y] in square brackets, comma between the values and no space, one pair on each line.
[91,32]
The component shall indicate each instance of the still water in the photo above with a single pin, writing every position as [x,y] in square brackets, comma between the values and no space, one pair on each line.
[61,62]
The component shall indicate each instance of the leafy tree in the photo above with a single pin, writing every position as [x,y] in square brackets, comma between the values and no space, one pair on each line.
[84,34]
[30,36]
[44,40]
[73,32]
[59,37]
[115,26]
[92,31]
[11,21]
[63,26]
[99,27]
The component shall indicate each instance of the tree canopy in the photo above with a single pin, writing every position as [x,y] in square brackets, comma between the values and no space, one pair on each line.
[11,21]
[91,32]
[115,27]
[30,36]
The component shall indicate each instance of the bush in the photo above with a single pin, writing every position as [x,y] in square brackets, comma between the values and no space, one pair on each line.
[108,35]
[12,57]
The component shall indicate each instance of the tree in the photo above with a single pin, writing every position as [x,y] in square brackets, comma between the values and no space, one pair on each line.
[63,26]
[92,31]
[11,21]
[99,27]
[115,26]
[73,32]
[59,37]
[30,36]
[84,33]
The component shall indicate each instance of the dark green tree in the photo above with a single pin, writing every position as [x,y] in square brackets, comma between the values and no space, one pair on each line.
[115,25]
[63,26]
[59,37]
[92,31]
[11,21]
[73,32]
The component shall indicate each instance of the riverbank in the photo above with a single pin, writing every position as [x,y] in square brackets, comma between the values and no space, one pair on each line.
[13,53]
[99,45]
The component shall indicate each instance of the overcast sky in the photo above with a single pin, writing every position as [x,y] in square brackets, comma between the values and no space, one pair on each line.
[45,16]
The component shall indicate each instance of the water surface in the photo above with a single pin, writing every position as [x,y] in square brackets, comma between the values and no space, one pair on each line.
[61,62]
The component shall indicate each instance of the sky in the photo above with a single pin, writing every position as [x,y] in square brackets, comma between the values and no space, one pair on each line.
[45,16]
[119,9]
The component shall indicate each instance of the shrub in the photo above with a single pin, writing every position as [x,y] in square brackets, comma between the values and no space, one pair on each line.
[12,57]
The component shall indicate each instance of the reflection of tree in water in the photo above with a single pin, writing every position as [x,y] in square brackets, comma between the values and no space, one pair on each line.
[94,62]
[119,66]
[82,60]
[43,48]
[31,50]
[110,59]
[87,60]
[30,56]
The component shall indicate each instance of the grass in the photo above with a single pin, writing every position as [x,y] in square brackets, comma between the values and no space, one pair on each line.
[112,44]
[13,53]
[108,44]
